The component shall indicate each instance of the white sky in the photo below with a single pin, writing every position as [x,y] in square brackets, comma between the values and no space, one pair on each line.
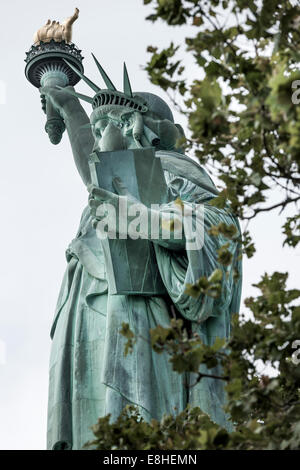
[42,195]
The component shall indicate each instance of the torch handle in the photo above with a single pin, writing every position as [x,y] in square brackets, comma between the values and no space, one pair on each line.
[55,125]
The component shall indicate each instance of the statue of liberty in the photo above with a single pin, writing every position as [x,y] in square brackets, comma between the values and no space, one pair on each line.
[89,375]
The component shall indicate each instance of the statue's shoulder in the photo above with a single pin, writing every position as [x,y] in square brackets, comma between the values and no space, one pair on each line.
[184,166]
[171,155]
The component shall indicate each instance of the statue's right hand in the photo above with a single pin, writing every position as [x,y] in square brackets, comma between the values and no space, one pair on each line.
[58,97]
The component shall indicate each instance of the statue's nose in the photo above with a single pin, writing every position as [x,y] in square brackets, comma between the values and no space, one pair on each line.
[112,138]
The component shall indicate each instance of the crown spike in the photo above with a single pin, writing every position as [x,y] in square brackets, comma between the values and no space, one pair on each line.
[78,95]
[87,80]
[127,86]
[104,75]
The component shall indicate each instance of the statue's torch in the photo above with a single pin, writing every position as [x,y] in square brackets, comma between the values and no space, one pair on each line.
[45,66]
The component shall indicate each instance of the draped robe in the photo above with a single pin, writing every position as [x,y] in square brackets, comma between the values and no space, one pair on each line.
[89,374]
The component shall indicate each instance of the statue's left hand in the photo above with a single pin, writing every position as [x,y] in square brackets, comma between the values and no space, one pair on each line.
[126,208]
[121,201]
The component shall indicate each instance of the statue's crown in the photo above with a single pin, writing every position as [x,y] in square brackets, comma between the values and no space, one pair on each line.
[109,96]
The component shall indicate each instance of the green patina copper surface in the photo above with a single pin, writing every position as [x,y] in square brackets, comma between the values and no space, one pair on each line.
[131,264]
[89,374]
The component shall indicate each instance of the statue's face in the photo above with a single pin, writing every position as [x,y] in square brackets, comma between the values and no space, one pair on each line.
[120,128]
[113,129]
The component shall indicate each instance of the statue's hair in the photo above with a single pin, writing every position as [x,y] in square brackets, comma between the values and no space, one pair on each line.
[156,105]
[99,113]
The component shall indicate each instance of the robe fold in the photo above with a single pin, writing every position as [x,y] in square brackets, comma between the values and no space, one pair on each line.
[89,374]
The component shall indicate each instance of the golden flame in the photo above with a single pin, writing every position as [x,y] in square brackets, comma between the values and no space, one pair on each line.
[55,30]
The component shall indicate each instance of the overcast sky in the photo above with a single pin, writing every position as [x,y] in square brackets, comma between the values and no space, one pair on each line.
[42,195]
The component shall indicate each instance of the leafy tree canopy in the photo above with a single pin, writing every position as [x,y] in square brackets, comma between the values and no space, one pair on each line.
[244,126]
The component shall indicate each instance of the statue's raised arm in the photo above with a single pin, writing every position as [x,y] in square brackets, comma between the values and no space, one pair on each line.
[77,124]
[46,69]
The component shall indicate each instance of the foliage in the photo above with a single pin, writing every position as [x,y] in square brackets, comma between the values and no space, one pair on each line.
[243,124]
[265,410]
[172,433]
[244,127]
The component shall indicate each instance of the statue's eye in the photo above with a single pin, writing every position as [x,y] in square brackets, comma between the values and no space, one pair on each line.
[98,132]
